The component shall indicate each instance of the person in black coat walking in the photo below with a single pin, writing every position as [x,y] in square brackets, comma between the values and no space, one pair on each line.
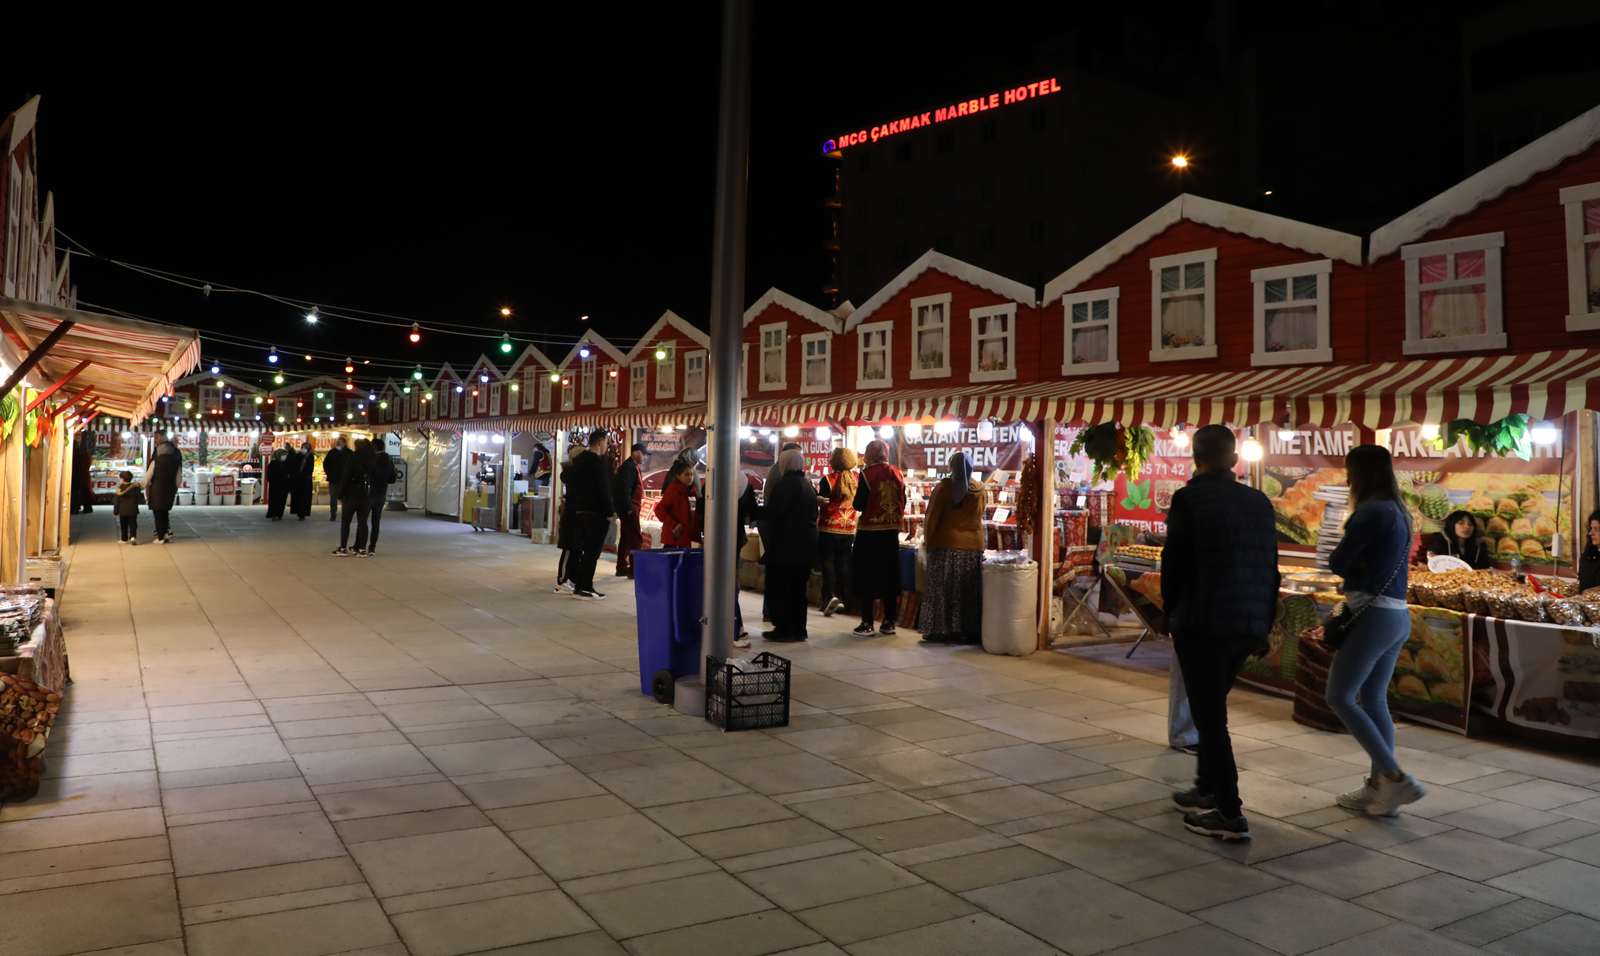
[333,469]
[280,477]
[160,482]
[790,513]
[383,475]
[301,468]
[589,500]
[1219,589]
[354,491]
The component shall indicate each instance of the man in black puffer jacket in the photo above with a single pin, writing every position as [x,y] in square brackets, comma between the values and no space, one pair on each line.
[1219,588]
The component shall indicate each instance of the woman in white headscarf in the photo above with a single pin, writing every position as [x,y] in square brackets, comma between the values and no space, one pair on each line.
[952,531]
[790,514]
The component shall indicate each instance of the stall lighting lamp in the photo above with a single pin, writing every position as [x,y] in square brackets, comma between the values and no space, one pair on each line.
[1544,433]
[272,356]
[886,432]
[1180,437]
[823,434]
[666,429]
[613,373]
[1286,431]
[583,352]
[793,431]
[216,369]
[945,427]
[744,433]
[1430,432]
[1252,450]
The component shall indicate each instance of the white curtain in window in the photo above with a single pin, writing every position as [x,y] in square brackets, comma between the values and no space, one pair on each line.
[1592,256]
[1183,321]
[772,365]
[1290,330]
[1451,312]
[930,348]
[875,366]
[1091,344]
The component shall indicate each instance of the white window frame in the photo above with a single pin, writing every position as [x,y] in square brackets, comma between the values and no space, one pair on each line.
[697,359]
[530,393]
[13,232]
[639,374]
[569,391]
[494,397]
[1089,298]
[781,330]
[544,390]
[1009,373]
[864,332]
[1209,349]
[666,370]
[827,363]
[943,371]
[588,394]
[1493,336]
[610,376]
[744,369]
[1581,317]
[455,401]
[1323,353]
[482,397]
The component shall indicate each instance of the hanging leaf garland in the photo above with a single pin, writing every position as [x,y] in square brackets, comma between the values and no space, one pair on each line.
[9,407]
[1113,447]
[1509,435]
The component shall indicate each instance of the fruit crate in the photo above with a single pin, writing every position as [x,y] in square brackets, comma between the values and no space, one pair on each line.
[748,699]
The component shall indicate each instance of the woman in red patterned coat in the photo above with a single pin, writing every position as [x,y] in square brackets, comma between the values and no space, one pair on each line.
[836,520]
[881,500]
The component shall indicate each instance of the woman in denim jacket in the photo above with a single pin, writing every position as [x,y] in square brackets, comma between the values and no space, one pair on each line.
[1374,551]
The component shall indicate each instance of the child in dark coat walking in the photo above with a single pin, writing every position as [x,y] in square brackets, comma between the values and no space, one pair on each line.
[125,505]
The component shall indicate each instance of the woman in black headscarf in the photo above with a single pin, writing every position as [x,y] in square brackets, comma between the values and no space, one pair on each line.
[952,531]
[280,476]
[1589,561]
[300,468]
[1460,539]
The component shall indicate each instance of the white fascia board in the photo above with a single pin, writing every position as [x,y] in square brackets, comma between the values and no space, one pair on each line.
[532,354]
[22,123]
[783,300]
[668,318]
[952,267]
[595,340]
[1562,143]
[1329,243]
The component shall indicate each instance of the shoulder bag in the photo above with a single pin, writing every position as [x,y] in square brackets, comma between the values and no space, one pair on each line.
[1344,617]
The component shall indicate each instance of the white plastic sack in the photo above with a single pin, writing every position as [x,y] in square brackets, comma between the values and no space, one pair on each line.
[1010,593]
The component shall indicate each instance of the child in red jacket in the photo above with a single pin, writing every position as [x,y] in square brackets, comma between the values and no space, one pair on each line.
[675,510]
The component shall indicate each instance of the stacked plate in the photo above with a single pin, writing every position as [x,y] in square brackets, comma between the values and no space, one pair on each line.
[1332,532]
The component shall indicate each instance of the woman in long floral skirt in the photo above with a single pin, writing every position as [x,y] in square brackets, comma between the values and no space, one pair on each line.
[952,531]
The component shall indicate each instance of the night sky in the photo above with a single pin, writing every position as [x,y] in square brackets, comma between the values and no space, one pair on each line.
[439,173]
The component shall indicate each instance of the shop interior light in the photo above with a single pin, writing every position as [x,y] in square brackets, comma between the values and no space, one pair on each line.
[1252,450]
[1544,433]
[1286,430]
[1180,437]
[272,356]
[666,429]
[793,431]
[766,433]
[823,433]
[416,332]
[1028,438]
[744,432]
[1430,432]
[680,427]
[886,432]
[945,427]
[986,430]
[498,438]
[913,431]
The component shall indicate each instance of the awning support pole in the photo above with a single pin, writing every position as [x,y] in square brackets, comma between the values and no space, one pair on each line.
[40,398]
[73,401]
[727,328]
[35,356]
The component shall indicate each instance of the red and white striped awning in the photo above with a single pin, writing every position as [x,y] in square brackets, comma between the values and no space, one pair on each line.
[132,363]
[1544,385]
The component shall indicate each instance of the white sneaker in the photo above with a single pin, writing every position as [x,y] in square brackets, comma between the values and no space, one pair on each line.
[134,541]
[123,541]
[1391,795]
[1358,799]
[834,604]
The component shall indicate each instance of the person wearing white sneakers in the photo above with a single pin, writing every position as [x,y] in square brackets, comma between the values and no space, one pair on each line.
[1372,559]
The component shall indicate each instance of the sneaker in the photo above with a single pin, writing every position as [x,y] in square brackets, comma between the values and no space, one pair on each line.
[887,628]
[865,628]
[341,552]
[1212,823]
[134,542]
[598,594]
[161,541]
[1193,801]
[371,552]
[1358,799]
[834,604]
[584,595]
[123,541]
[741,642]
[1390,795]
[1192,750]
[359,553]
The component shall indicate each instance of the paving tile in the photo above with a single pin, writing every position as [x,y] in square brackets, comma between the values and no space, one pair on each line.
[229,796]
[490,924]
[1344,870]
[366,763]
[1561,936]
[1541,794]
[487,756]
[1031,763]
[672,783]
[434,861]
[381,801]
[1566,832]
[1293,920]
[1211,884]
[92,916]
[1040,728]
[68,796]
[809,883]
[1434,900]
[717,813]
[758,838]
[1499,819]
[864,809]
[78,829]
[279,880]
[978,933]
[976,870]
[671,904]
[1115,850]
[1199,940]
[1003,804]
[881,914]
[315,931]
[1400,938]
[788,773]
[1376,833]
[206,752]
[837,743]
[539,786]
[1503,921]
[1102,915]
[913,769]
[258,841]
[567,851]
[1565,883]
[1468,855]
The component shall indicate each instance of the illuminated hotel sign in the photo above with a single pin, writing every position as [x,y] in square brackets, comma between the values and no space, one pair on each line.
[964,108]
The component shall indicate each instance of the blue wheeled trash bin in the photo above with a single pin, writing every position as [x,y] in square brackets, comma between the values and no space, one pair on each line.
[668,588]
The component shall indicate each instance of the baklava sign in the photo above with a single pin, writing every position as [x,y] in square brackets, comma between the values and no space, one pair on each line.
[1518,505]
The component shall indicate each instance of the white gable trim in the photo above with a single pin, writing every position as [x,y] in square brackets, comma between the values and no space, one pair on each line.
[831,321]
[1567,140]
[673,319]
[1330,243]
[595,340]
[956,269]
[531,354]
[22,123]
[483,364]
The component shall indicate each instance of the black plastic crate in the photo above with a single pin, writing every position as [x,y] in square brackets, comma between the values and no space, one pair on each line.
[748,700]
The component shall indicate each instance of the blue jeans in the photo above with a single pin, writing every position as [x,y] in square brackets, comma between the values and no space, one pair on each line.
[1358,682]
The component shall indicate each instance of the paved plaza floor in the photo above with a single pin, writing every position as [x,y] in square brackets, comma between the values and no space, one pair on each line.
[273,751]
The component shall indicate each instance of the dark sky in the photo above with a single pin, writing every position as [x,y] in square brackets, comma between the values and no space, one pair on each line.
[440,172]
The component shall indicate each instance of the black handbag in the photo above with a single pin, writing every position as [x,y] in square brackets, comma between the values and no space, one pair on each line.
[1344,618]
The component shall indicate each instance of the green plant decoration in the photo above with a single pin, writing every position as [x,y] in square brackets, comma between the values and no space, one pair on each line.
[1138,495]
[9,407]
[1113,448]
[1509,435]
